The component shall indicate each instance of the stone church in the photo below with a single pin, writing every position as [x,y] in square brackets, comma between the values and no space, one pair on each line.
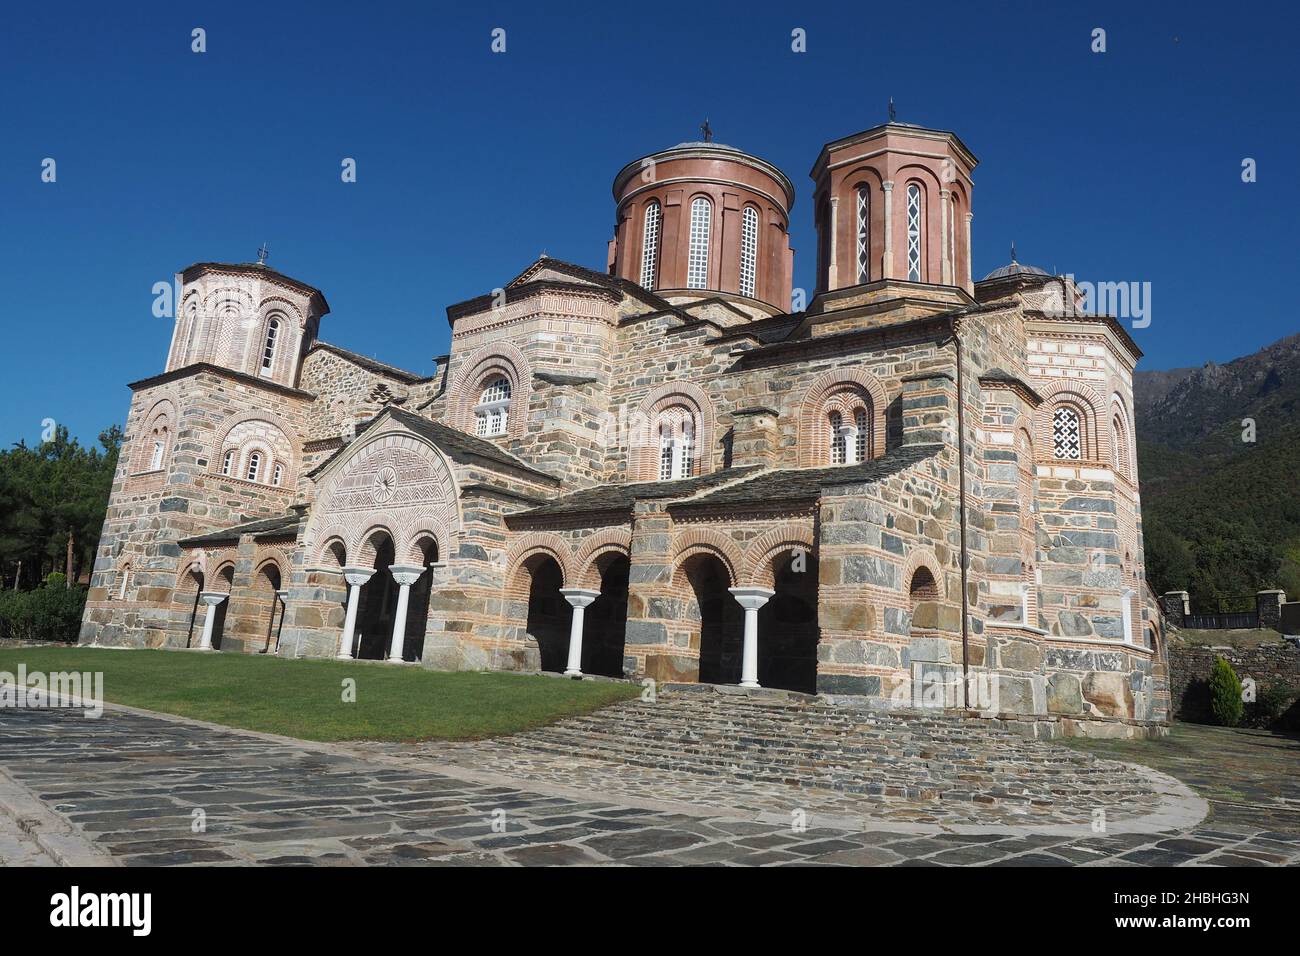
[912,489]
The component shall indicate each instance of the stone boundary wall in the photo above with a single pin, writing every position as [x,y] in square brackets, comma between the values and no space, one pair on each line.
[1190,666]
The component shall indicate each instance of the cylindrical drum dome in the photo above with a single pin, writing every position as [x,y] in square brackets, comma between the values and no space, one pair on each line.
[704,218]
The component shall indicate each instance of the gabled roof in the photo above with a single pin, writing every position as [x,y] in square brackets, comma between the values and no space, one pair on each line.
[369,364]
[622,497]
[457,444]
[567,273]
[785,485]
[262,528]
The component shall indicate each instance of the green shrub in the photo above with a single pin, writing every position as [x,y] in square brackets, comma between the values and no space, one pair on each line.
[1225,694]
[51,613]
[1271,702]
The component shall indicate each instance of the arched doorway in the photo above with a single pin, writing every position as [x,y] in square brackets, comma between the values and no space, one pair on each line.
[787,625]
[225,582]
[721,635]
[549,614]
[605,624]
[195,576]
[417,612]
[268,601]
[378,601]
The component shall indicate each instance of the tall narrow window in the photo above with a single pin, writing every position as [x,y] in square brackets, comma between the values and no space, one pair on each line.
[268,349]
[493,410]
[697,260]
[650,245]
[914,233]
[156,460]
[860,435]
[277,474]
[228,463]
[1067,439]
[676,444]
[838,447]
[864,234]
[748,251]
[254,466]
[665,451]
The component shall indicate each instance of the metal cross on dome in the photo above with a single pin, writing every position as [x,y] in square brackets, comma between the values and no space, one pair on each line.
[706,130]
[262,254]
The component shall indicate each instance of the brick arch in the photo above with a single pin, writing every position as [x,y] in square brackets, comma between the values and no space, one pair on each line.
[363,550]
[814,440]
[601,543]
[924,558]
[643,439]
[763,550]
[530,545]
[412,553]
[161,414]
[708,541]
[286,455]
[347,501]
[1096,440]
[287,343]
[508,360]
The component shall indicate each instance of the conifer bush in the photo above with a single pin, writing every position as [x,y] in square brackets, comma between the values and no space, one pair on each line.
[1225,694]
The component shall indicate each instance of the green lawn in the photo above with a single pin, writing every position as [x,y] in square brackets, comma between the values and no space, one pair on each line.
[304,699]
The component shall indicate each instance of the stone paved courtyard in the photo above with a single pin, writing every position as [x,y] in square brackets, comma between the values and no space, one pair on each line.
[130,785]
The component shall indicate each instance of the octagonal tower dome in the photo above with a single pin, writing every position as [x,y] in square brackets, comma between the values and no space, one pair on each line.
[704,219]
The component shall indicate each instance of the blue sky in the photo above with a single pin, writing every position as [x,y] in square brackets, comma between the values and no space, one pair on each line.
[1122,166]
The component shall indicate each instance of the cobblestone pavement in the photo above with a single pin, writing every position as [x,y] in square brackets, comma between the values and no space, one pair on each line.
[17,848]
[137,785]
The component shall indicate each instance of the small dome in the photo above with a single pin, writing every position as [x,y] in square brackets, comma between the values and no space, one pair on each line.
[1014,268]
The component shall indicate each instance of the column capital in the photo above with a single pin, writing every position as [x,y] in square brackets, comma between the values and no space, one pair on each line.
[751,599]
[357,576]
[406,574]
[579,597]
[887,185]
[212,598]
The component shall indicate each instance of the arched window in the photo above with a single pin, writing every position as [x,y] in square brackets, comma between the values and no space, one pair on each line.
[850,444]
[697,261]
[1067,434]
[914,244]
[277,474]
[159,448]
[493,409]
[864,233]
[192,335]
[650,244]
[124,583]
[254,466]
[268,347]
[228,463]
[676,444]
[838,448]
[748,250]
[1119,445]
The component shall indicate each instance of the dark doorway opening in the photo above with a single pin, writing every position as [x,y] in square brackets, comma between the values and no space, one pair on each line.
[225,582]
[787,626]
[605,624]
[721,620]
[549,614]
[268,583]
[378,602]
[417,612]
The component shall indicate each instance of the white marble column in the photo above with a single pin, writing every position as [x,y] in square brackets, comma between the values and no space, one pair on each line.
[405,575]
[355,577]
[887,265]
[578,599]
[212,599]
[751,599]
